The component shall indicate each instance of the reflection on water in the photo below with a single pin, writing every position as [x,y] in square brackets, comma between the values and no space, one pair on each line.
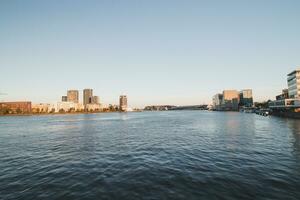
[150,155]
[294,126]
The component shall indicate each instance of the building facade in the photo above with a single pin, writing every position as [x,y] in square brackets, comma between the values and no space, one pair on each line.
[69,107]
[246,98]
[95,100]
[41,108]
[87,96]
[283,95]
[15,107]
[293,80]
[230,101]
[123,103]
[217,101]
[93,107]
[64,98]
[73,96]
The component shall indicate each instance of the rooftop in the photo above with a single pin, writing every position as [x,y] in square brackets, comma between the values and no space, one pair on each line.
[293,72]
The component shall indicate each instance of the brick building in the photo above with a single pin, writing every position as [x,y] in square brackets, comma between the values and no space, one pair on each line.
[15,107]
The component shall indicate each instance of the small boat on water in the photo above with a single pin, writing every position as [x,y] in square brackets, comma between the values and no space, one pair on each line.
[263,112]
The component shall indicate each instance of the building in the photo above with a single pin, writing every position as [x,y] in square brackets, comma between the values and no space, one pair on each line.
[217,101]
[230,100]
[246,98]
[73,96]
[95,100]
[41,108]
[93,107]
[87,96]
[22,107]
[293,80]
[123,103]
[69,107]
[287,104]
[284,95]
[64,98]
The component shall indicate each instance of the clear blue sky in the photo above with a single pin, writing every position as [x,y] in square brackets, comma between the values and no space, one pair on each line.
[156,52]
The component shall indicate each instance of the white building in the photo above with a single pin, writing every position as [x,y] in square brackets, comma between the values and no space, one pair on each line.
[69,106]
[93,107]
[41,108]
[294,84]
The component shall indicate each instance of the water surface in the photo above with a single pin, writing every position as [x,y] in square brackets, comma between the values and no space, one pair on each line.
[150,155]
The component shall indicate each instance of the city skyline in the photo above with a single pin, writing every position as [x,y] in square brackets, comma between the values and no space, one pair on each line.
[182,55]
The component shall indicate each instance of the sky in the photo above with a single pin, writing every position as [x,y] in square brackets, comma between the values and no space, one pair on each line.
[155,51]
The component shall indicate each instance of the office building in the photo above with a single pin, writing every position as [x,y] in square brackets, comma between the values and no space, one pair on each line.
[123,103]
[87,96]
[64,98]
[73,96]
[246,98]
[293,80]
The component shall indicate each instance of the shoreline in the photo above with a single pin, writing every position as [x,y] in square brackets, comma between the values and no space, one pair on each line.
[73,113]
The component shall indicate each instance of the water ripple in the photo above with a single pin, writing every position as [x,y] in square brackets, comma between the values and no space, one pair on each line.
[150,155]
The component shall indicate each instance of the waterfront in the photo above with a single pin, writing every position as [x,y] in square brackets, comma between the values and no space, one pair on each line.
[150,155]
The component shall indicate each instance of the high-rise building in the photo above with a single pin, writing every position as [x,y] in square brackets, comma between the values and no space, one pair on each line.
[87,96]
[95,100]
[123,103]
[73,96]
[64,98]
[294,84]
[246,98]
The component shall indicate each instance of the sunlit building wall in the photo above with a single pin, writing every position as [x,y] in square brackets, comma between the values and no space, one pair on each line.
[73,96]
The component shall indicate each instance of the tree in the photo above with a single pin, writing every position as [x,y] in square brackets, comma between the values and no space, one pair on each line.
[18,111]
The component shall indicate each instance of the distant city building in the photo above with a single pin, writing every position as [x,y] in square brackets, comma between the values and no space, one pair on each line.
[93,107]
[41,108]
[95,100]
[87,96]
[64,98]
[293,80]
[217,101]
[69,107]
[283,95]
[230,100]
[246,98]
[15,107]
[73,96]
[123,103]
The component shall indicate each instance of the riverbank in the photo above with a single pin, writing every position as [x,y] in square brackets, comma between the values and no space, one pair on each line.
[71,113]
